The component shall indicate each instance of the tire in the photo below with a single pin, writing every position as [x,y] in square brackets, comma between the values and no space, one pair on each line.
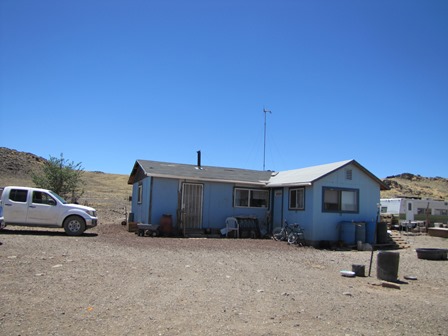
[278,234]
[74,225]
[292,238]
[2,224]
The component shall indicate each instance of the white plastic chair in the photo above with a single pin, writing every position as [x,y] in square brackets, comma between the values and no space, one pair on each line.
[232,225]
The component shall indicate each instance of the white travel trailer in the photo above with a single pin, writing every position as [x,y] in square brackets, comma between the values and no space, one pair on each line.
[415,209]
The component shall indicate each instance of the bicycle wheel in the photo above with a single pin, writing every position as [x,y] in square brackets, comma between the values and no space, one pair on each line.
[292,238]
[278,233]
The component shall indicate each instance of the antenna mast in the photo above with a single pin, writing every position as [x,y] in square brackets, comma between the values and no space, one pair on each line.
[264,144]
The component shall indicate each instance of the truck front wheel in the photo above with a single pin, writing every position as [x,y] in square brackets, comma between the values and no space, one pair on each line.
[74,225]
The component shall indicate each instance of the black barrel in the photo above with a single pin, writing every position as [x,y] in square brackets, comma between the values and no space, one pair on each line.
[387,265]
[382,237]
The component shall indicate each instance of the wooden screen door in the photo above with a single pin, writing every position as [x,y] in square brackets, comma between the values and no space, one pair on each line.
[192,199]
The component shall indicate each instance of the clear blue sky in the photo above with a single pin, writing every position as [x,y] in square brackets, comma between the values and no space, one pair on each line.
[107,82]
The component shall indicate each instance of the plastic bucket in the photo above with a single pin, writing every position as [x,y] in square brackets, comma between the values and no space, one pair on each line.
[387,265]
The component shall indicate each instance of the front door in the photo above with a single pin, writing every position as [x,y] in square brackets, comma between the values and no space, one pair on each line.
[277,208]
[192,199]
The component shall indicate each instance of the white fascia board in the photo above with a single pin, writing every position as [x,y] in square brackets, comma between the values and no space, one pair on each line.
[194,178]
[302,184]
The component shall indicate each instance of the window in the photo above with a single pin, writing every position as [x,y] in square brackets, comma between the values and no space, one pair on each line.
[422,211]
[140,194]
[251,198]
[297,199]
[383,209]
[18,195]
[340,200]
[43,198]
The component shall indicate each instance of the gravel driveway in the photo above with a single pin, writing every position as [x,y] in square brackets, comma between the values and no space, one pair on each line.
[112,282]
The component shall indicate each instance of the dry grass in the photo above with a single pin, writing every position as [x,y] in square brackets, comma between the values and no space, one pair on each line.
[107,193]
[435,188]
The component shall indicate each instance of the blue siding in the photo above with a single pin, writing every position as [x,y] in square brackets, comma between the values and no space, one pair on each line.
[302,217]
[325,224]
[141,210]
[218,204]
[165,199]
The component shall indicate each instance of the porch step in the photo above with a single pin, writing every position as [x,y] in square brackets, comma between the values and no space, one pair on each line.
[202,233]
[396,241]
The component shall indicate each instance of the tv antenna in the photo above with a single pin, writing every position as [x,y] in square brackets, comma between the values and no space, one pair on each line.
[264,144]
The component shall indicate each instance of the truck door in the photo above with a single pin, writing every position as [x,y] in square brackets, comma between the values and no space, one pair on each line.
[42,209]
[15,206]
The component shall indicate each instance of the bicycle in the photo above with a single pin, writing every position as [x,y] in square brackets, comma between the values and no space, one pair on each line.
[297,236]
[292,233]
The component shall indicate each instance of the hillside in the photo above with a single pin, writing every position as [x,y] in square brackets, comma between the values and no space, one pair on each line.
[109,193]
[416,186]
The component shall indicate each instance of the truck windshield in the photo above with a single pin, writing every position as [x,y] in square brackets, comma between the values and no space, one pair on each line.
[63,201]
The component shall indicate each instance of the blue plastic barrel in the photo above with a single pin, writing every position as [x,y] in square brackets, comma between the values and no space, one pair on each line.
[360,232]
[371,232]
[347,233]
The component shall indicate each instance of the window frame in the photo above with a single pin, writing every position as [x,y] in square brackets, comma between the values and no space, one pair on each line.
[296,207]
[249,198]
[16,195]
[339,200]
[140,193]
[45,199]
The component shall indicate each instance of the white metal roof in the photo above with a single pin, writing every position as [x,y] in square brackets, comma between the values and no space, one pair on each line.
[305,176]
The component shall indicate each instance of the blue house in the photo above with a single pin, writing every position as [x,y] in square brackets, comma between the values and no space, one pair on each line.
[320,198]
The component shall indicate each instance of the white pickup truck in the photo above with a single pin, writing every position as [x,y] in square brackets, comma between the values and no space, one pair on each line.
[25,206]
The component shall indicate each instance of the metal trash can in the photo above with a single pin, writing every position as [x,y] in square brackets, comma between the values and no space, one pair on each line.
[387,265]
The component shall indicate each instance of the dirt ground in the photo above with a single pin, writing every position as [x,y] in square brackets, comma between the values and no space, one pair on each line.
[112,282]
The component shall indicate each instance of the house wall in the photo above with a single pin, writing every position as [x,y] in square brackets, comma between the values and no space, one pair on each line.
[141,210]
[326,225]
[218,205]
[166,193]
[164,199]
[302,217]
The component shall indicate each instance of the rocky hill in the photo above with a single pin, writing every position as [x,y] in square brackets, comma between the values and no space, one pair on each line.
[111,190]
[411,185]
[18,166]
